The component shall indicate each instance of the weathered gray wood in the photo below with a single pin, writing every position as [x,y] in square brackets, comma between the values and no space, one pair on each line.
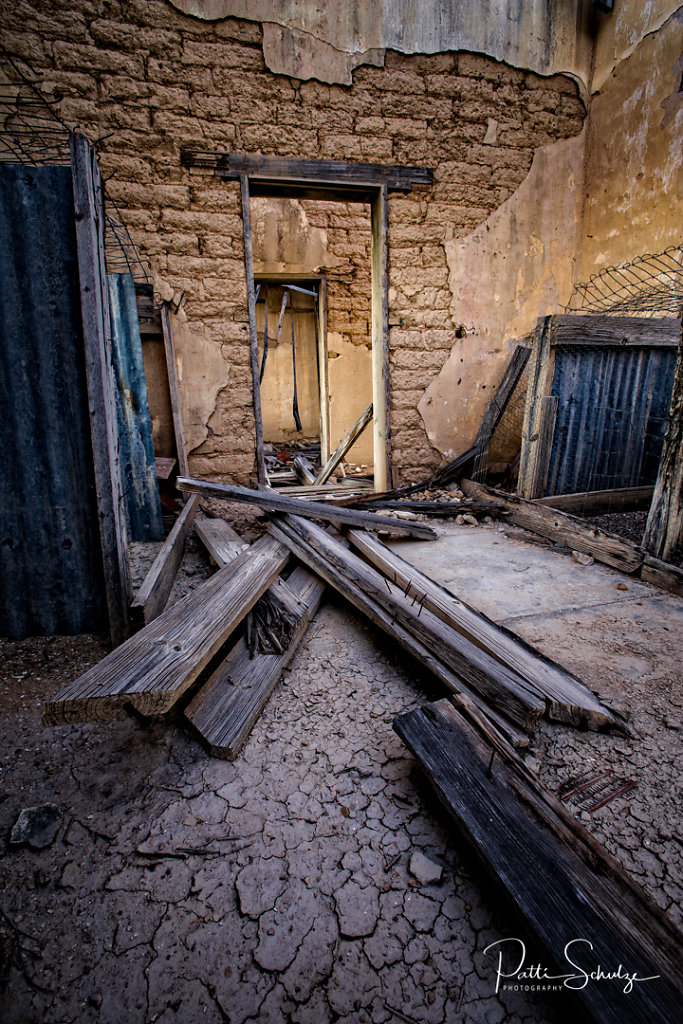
[381,393]
[323,374]
[164,467]
[568,891]
[495,684]
[152,596]
[662,574]
[275,502]
[253,332]
[273,168]
[155,666]
[219,539]
[89,213]
[174,389]
[664,530]
[303,468]
[633,331]
[567,698]
[225,709]
[539,462]
[620,499]
[343,447]
[498,404]
[559,526]
[541,371]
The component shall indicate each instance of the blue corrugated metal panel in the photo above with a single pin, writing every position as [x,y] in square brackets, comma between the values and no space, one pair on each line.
[50,569]
[136,450]
[613,406]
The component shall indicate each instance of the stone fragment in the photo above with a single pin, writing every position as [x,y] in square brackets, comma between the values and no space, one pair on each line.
[424,869]
[581,558]
[36,826]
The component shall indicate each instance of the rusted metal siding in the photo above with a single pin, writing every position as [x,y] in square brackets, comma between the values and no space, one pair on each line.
[50,568]
[613,407]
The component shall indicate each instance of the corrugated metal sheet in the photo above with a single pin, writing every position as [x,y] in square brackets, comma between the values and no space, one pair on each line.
[136,450]
[50,569]
[613,406]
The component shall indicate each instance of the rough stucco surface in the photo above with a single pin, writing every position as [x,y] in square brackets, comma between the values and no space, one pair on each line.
[634,171]
[149,81]
[518,265]
[325,41]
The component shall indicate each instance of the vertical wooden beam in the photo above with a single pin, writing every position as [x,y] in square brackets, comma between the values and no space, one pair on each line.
[380,341]
[497,406]
[174,389]
[664,530]
[323,374]
[535,430]
[89,214]
[253,333]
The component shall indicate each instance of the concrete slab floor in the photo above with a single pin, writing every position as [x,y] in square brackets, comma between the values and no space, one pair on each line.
[181,888]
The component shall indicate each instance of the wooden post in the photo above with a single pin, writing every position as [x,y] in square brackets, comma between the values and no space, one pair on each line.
[323,375]
[664,530]
[380,341]
[497,406]
[89,213]
[253,333]
[174,389]
[536,435]
[343,447]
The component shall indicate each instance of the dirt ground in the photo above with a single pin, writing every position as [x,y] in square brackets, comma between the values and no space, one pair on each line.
[284,887]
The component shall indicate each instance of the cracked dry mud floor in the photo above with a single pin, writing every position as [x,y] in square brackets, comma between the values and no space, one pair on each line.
[181,888]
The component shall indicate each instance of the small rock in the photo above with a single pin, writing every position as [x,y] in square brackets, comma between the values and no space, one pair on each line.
[424,869]
[36,826]
[581,558]
[470,520]
[621,586]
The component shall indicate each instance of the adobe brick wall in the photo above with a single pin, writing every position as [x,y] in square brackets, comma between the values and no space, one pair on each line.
[148,81]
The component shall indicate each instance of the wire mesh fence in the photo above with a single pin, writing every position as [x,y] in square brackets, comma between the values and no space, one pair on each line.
[650,285]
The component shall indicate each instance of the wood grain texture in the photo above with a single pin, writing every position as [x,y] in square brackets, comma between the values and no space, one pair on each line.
[343,447]
[323,372]
[253,332]
[618,331]
[559,881]
[559,526]
[174,389]
[568,700]
[498,404]
[492,682]
[152,596]
[541,371]
[89,214]
[662,574]
[620,499]
[153,668]
[225,709]
[275,502]
[303,468]
[219,539]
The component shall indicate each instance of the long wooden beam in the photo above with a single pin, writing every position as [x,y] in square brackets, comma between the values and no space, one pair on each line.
[274,502]
[344,446]
[152,596]
[174,389]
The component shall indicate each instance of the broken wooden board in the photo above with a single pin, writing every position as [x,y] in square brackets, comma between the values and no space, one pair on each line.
[418,629]
[568,700]
[662,574]
[303,468]
[576,903]
[152,669]
[344,446]
[559,526]
[152,596]
[275,502]
[225,709]
[619,499]
[219,539]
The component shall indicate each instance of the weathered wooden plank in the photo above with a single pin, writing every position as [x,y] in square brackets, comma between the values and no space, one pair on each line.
[323,372]
[498,404]
[136,450]
[303,468]
[343,447]
[539,460]
[381,393]
[152,596]
[635,331]
[89,213]
[574,900]
[219,539]
[559,526]
[225,709]
[664,530]
[620,499]
[253,331]
[275,502]
[174,389]
[541,370]
[155,666]
[662,574]
[495,684]
[567,698]
[285,169]
[164,467]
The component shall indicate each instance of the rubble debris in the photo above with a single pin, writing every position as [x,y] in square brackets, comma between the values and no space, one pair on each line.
[424,869]
[36,826]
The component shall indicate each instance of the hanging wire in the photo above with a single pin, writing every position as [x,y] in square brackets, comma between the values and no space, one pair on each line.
[648,285]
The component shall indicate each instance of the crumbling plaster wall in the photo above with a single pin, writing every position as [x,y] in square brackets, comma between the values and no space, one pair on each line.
[147,80]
